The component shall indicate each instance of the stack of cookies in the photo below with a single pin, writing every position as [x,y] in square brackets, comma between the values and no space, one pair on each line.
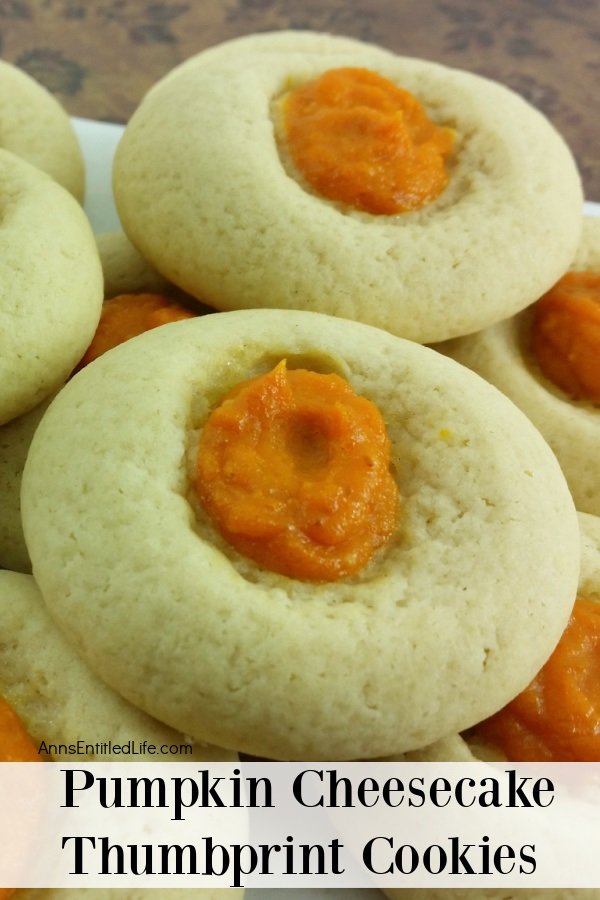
[290,527]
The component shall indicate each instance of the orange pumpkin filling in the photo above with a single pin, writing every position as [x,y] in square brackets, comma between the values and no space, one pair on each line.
[15,746]
[565,335]
[557,718]
[294,470]
[128,315]
[358,139]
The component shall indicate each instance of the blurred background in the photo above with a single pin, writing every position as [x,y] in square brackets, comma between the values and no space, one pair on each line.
[100,57]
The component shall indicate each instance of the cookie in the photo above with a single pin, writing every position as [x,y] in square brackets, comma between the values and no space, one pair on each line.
[37,128]
[232,223]
[502,355]
[441,626]
[51,286]
[125,270]
[59,699]
[61,702]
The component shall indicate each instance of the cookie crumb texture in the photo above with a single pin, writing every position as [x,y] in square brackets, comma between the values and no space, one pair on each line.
[437,632]
[232,224]
[58,698]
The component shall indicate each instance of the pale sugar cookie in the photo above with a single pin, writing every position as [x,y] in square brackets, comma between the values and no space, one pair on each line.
[234,223]
[471,748]
[441,626]
[124,269]
[61,702]
[130,893]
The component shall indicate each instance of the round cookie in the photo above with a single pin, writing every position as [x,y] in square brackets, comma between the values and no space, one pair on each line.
[59,699]
[124,271]
[455,748]
[35,127]
[51,286]
[442,627]
[231,225]
[572,428]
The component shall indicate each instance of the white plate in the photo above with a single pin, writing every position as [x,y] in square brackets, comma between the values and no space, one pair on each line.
[99,141]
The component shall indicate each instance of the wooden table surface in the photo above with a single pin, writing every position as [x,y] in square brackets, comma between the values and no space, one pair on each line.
[100,57]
